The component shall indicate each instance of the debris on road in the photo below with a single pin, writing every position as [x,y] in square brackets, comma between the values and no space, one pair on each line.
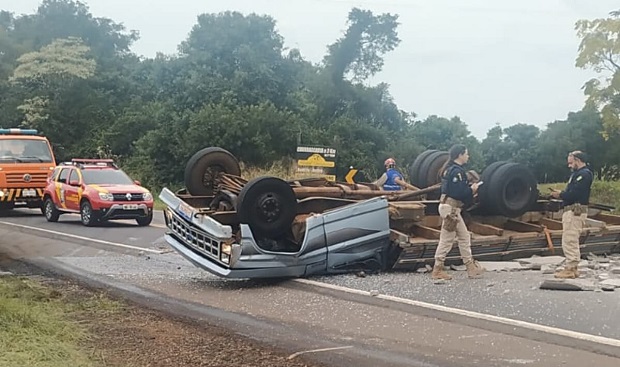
[568,284]
[503,266]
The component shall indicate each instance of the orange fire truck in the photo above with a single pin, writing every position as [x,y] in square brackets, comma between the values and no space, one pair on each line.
[26,161]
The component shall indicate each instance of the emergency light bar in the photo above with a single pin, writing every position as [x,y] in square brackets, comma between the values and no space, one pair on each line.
[93,162]
[89,160]
[15,131]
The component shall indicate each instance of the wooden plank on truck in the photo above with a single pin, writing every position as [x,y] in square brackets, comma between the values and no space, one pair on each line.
[426,232]
[552,224]
[485,229]
[519,226]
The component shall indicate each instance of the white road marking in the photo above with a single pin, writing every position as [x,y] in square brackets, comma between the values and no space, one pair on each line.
[475,315]
[318,350]
[102,242]
[158,225]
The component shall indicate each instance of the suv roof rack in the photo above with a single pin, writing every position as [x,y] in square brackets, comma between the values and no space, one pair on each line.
[82,162]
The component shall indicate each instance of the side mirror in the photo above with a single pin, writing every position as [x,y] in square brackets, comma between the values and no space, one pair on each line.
[137,182]
[74,183]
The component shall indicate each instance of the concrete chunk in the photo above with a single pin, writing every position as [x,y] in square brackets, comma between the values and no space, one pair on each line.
[568,285]
[611,283]
[503,266]
[547,269]
[536,262]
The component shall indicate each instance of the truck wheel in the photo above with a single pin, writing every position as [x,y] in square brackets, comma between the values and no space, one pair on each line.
[203,168]
[512,189]
[49,210]
[414,168]
[268,205]
[430,171]
[485,197]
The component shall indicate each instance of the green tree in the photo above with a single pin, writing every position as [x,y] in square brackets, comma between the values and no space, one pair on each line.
[360,51]
[600,49]
[49,72]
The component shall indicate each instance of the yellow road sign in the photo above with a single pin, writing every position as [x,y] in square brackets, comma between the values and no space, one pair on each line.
[350,175]
[316,160]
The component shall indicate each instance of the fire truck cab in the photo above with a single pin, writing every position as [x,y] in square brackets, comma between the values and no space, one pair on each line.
[26,161]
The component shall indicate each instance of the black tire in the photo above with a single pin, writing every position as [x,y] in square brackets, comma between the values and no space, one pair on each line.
[202,168]
[145,221]
[268,205]
[485,197]
[88,216]
[512,190]
[430,170]
[49,210]
[414,168]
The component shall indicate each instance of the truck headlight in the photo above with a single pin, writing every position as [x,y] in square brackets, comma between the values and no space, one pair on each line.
[225,252]
[147,196]
[106,196]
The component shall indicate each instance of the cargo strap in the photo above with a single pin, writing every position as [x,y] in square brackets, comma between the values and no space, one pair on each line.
[549,241]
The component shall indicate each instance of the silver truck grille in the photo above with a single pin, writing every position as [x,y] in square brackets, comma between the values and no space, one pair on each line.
[193,237]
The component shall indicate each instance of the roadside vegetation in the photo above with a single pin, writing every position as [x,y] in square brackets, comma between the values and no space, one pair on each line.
[40,326]
[232,83]
[47,322]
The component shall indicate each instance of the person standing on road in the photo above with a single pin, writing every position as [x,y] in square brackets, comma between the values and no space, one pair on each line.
[575,200]
[392,179]
[456,193]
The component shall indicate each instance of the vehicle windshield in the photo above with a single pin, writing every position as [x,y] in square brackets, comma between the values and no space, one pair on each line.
[25,150]
[105,177]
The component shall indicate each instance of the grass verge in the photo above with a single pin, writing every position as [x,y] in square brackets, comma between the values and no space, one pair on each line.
[39,326]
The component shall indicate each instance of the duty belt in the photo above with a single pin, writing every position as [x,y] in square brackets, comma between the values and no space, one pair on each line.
[450,201]
[576,208]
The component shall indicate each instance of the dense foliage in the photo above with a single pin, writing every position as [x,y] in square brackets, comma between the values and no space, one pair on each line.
[233,84]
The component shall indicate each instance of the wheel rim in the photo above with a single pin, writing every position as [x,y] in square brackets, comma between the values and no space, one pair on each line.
[48,209]
[268,207]
[86,214]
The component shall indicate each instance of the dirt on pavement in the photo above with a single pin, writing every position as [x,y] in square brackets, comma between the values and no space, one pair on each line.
[132,336]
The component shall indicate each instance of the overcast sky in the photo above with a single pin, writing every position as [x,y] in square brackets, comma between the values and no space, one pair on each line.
[486,61]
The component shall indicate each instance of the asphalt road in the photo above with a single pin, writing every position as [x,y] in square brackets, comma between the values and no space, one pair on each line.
[362,331]
[120,231]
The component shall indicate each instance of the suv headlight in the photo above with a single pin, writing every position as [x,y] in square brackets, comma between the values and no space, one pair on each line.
[147,196]
[106,196]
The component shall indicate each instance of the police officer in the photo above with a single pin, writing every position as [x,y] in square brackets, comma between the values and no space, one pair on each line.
[575,200]
[456,193]
[392,179]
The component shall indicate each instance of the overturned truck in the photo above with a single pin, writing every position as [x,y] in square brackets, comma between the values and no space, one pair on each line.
[268,227]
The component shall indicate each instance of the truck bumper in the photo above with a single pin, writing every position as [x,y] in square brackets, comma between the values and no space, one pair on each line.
[232,273]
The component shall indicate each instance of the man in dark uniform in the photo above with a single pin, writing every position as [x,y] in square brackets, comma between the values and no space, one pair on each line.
[456,193]
[575,200]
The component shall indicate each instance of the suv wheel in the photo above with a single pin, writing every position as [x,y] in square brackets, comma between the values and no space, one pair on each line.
[87,214]
[49,210]
[145,221]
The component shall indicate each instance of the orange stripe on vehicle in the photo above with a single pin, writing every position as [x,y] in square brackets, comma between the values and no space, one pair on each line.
[62,204]
[99,189]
